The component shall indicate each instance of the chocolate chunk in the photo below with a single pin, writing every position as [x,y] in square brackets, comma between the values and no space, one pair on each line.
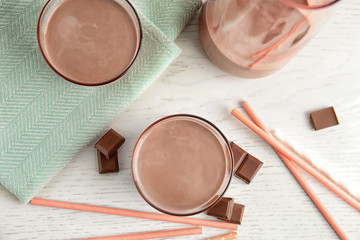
[324,118]
[110,143]
[223,209]
[248,168]
[107,165]
[239,155]
[237,214]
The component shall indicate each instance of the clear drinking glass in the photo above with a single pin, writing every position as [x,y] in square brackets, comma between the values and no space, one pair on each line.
[254,38]
[182,164]
[87,42]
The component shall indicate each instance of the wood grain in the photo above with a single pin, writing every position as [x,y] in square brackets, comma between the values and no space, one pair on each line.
[325,73]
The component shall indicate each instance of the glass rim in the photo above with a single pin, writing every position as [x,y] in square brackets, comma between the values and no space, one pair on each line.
[137,18]
[226,184]
[305,7]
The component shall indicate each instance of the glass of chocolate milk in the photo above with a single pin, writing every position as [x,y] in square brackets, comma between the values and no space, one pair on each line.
[182,164]
[89,42]
[254,38]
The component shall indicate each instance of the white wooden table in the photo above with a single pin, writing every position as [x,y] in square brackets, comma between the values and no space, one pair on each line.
[326,72]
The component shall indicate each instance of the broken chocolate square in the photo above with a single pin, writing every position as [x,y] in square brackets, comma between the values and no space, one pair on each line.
[222,209]
[110,143]
[324,118]
[239,155]
[107,165]
[237,214]
[248,168]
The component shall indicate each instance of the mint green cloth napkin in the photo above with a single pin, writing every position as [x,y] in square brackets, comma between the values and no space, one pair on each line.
[45,120]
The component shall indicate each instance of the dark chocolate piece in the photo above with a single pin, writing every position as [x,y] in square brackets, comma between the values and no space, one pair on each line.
[107,165]
[324,118]
[223,209]
[110,143]
[239,155]
[237,214]
[248,168]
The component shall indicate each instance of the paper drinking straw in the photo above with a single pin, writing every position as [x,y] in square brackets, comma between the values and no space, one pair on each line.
[229,236]
[282,148]
[152,235]
[132,213]
[299,177]
[268,50]
[307,159]
[292,149]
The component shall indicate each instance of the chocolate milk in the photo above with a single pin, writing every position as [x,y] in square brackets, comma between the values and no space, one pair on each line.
[181,165]
[251,38]
[91,41]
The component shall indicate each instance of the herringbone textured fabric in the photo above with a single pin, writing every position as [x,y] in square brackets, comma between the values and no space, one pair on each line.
[169,16]
[45,120]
